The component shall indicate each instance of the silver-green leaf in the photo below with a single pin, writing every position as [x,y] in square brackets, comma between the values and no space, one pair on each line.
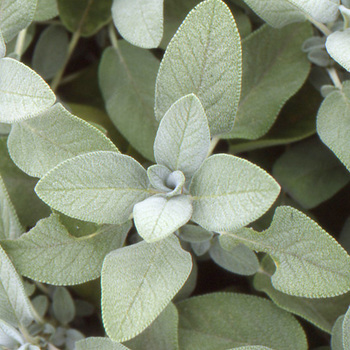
[2,47]
[39,144]
[101,187]
[63,306]
[132,297]
[95,343]
[45,10]
[24,93]
[337,45]
[139,22]
[204,57]
[183,136]
[229,192]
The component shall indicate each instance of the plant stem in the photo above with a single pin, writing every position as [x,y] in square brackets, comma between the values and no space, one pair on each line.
[112,36]
[333,74]
[320,26]
[20,43]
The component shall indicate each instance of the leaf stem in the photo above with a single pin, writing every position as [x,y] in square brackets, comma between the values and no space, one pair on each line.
[320,26]
[112,36]
[20,43]
[333,74]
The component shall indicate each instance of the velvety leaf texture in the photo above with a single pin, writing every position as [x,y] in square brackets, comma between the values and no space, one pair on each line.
[24,93]
[39,144]
[204,58]
[49,253]
[95,343]
[2,46]
[139,22]
[220,321]
[309,262]
[63,305]
[346,330]
[183,136]
[132,297]
[45,10]
[337,45]
[229,192]
[101,187]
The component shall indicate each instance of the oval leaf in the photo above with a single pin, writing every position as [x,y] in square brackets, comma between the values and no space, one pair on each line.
[24,93]
[101,187]
[63,306]
[132,297]
[39,144]
[99,343]
[204,58]
[338,46]
[45,10]
[139,22]
[222,201]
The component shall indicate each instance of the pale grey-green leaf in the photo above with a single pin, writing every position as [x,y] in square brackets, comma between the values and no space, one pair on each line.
[220,321]
[158,216]
[23,92]
[10,336]
[2,47]
[15,15]
[321,312]
[337,45]
[254,347]
[101,187]
[337,335]
[50,51]
[175,182]
[127,77]
[15,307]
[200,248]
[139,22]
[333,123]
[40,304]
[240,260]
[161,334]
[194,234]
[95,343]
[39,144]
[10,226]
[309,262]
[183,136]
[63,306]
[158,175]
[204,58]
[45,10]
[346,330]
[229,192]
[134,296]
[49,253]
[310,173]
[274,69]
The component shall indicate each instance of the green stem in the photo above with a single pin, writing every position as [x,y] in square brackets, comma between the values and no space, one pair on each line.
[112,35]
[20,43]
[320,26]
[333,74]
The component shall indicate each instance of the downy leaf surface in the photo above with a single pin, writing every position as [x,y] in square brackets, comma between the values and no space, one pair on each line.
[101,187]
[337,334]
[273,64]
[320,312]
[139,22]
[15,15]
[309,262]
[333,123]
[220,321]
[49,253]
[195,234]
[204,57]
[229,192]
[39,144]
[346,330]
[183,136]
[87,16]
[96,343]
[161,334]
[337,46]
[127,77]
[132,297]
[157,217]
[45,10]
[24,93]
[2,47]
[63,306]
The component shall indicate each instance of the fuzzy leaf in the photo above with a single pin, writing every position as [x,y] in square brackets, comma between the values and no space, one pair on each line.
[309,262]
[254,347]
[157,175]
[45,10]
[87,16]
[15,307]
[157,217]
[101,187]
[39,144]
[337,334]
[23,92]
[272,74]
[50,51]
[229,192]
[240,260]
[195,234]
[220,321]
[320,312]
[63,306]
[127,77]
[76,260]
[333,123]
[161,334]
[346,330]
[183,136]
[139,22]
[15,15]
[95,343]
[337,45]
[10,226]
[310,173]
[132,297]
[10,337]
[204,58]
[2,47]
